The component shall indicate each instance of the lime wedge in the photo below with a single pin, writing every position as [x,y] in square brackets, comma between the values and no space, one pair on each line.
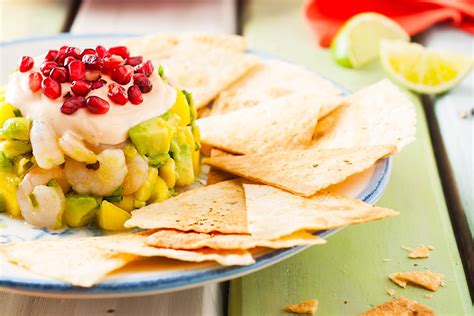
[422,70]
[358,40]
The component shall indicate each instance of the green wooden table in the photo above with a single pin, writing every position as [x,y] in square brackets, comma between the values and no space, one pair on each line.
[349,274]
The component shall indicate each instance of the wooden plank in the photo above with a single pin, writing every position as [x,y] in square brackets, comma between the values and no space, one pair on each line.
[349,274]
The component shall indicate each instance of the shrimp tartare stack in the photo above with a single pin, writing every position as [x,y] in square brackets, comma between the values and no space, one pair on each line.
[90,135]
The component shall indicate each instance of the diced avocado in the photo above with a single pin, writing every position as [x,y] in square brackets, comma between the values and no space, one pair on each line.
[127,203]
[14,148]
[181,108]
[160,191]
[159,160]
[192,107]
[111,217]
[5,163]
[7,111]
[80,210]
[182,154]
[152,137]
[168,173]
[144,192]
[16,128]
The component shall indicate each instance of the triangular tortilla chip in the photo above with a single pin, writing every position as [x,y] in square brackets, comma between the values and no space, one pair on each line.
[271,80]
[303,172]
[400,306]
[380,114]
[308,307]
[273,213]
[281,124]
[190,240]
[420,252]
[215,175]
[215,208]
[427,279]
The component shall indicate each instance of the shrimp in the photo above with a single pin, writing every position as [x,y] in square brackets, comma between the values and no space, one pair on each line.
[103,181]
[42,205]
[137,173]
[75,148]
[45,145]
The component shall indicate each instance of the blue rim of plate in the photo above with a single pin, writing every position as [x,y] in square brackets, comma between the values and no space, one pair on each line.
[144,285]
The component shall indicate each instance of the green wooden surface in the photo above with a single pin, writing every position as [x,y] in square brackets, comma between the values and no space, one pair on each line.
[349,274]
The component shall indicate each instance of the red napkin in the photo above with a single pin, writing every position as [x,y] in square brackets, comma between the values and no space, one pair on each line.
[326,16]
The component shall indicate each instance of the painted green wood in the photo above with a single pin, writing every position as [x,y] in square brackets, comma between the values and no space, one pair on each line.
[349,274]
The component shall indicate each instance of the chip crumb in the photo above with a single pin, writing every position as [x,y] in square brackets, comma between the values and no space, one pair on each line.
[420,252]
[430,247]
[427,279]
[386,260]
[429,296]
[463,114]
[407,248]
[400,306]
[390,292]
[308,307]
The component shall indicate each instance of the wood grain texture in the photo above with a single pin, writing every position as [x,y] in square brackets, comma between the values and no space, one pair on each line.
[349,274]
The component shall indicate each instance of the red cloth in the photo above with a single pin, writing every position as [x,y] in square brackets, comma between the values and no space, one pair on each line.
[326,16]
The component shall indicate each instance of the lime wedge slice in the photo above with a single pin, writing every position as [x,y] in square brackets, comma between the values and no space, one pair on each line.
[358,40]
[422,70]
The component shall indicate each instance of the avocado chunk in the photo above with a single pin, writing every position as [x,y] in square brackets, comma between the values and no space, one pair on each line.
[16,128]
[181,152]
[6,164]
[152,137]
[181,108]
[159,160]
[80,210]
[111,217]
[14,148]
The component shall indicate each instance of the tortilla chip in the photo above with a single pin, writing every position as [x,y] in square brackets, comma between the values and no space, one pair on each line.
[190,240]
[215,175]
[427,279]
[281,124]
[308,307]
[75,261]
[400,306]
[273,213]
[302,172]
[420,252]
[271,80]
[215,208]
[380,114]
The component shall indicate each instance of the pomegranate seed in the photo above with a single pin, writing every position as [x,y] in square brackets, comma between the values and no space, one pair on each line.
[26,63]
[73,104]
[61,54]
[123,74]
[88,51]
[93,62]
[34,81]
[59,74]
[134,95]
[47,66]
[80,87]
[120,50]
[62,50]
[68,60]
[133,61]
[77,70]
[145,68]
[117,94]
[112,62]
[51,55]
[93,75]
[102,51]
[68,95]
[142,82]
[51,88]
[97,105]
[74,52]
[98,84]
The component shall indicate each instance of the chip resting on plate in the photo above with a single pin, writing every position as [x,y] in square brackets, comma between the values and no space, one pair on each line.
[400,306]
[281,124]
[190,240]
[215,208]
[302,172]
[273,213]
[308,307]
[271,80]
[427,279]
[380,114]
[215,175]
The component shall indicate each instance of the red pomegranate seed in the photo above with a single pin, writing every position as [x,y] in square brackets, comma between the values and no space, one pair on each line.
[59,74]
[51,88]
[112,62]
[62,50]
[68,95]
[77,70]
[73,104]
[133,61]
[93,75]
[74,52]
[47,66]
[97,105]
[34,81]
[143,83]
[117,94]
[88,51]
[93,62]
[98,84]
[120,50]
[61,54]
[51,55]
[135,95]
[122,74]
[81,87]
[26,63]
[102,51]
[68,60]
[145,68]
